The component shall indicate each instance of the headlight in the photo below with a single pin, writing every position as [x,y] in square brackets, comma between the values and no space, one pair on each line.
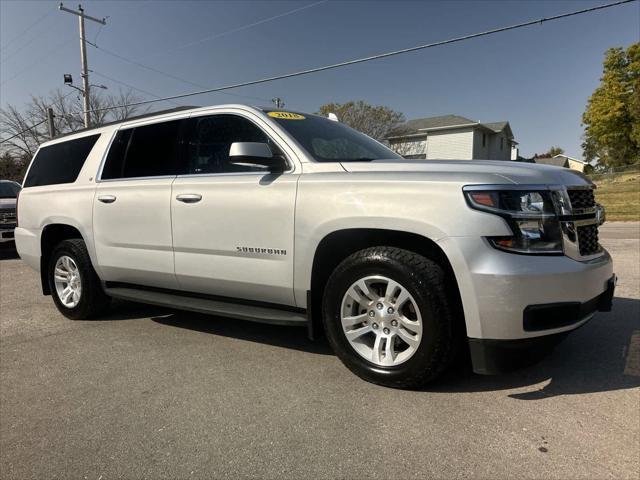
[530,214]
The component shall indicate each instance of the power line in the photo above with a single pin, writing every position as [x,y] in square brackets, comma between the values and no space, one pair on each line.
[25,130]
[384,55]
[46,56]
[202,40]
[363,59]
[84,68]
[6,44]
[35,125]
[166,74]
[237,29]
[129,85]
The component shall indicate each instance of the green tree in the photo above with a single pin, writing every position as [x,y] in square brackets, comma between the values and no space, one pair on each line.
[612,117]
[374,120]
[553,151]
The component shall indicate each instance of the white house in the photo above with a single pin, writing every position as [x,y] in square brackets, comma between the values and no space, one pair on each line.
[563,160]
[454,137]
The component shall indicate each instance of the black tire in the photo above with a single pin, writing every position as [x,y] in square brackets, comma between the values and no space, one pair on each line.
[93,301]
[426,282]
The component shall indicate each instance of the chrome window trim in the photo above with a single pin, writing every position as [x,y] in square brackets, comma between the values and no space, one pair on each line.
[128,179]
[232,174]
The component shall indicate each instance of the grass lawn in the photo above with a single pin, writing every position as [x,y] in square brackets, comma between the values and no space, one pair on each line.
[620,195]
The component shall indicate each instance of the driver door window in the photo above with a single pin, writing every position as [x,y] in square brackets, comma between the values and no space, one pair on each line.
[211,139]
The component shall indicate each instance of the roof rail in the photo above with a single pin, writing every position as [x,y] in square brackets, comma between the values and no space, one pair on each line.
[137,117]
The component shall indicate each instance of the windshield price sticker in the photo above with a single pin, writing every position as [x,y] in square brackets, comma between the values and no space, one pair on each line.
[286,115]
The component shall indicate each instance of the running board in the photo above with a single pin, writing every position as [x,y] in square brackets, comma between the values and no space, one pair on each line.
[253,313]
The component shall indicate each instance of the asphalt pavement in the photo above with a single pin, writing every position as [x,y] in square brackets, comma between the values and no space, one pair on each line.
[153,393]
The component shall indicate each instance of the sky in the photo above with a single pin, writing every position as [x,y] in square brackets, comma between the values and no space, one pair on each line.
[538,78]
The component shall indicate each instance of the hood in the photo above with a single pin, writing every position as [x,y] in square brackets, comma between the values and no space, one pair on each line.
[498,171]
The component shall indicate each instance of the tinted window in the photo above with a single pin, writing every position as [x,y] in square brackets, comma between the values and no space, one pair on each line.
[9,190]
[115,158]
[211,139]
[59,163]
[147,151]
[329,141]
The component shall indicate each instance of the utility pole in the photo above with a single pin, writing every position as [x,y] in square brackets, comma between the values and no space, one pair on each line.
[279,103]
[83,57]
[50,124]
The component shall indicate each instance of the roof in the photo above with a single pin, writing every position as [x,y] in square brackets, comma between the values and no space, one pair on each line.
[496,126]
[443,122]
[437,122]
[562,155]
[558,162]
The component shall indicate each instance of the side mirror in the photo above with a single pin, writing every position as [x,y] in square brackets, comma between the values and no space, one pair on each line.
[255,153]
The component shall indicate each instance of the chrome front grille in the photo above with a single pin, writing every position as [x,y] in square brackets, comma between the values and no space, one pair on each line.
[583,208]
[588,240]
[581,199]
[7,216]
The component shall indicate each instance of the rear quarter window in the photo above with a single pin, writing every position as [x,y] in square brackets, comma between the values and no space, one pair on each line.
[60,163]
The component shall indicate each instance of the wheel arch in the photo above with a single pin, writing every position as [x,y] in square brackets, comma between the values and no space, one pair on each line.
[52,234]
[339,244]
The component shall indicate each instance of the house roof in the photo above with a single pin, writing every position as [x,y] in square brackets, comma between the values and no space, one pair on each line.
[496,126]
[443,122]
[437,122]
[562,155]
[556,161]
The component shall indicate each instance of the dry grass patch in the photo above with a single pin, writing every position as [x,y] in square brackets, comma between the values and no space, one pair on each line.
[620,195]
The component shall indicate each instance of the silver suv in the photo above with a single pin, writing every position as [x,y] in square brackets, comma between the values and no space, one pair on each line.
[289,218]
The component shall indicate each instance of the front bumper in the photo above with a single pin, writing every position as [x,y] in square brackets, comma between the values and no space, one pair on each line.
[490,356]
[523,302]
[496,287]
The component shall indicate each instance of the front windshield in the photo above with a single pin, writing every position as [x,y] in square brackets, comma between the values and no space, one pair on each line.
[9,189]
[329,141]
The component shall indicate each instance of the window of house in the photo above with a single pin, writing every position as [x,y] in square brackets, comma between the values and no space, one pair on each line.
[146,151]
[484,139]
[210,140]
[501,142]
[60,163]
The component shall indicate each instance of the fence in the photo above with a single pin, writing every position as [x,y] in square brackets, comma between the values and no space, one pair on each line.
[614,172]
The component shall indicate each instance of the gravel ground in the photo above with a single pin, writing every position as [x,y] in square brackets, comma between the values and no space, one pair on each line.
[148,392]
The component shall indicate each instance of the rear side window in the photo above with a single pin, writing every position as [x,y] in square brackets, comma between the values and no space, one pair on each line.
[147,151]
[60,163]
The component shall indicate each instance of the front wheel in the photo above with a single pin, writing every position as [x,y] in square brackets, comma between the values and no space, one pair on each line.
[388,317]
[73,282]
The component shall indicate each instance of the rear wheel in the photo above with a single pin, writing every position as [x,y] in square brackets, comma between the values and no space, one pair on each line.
[388,317]
[73,282]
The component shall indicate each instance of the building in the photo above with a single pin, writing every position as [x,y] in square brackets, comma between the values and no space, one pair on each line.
[454,137]
[562,160]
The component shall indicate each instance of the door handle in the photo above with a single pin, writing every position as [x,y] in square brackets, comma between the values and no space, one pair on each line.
[189,197]
[107,198]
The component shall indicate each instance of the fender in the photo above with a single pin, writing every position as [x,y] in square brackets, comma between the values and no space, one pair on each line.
[306,246]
